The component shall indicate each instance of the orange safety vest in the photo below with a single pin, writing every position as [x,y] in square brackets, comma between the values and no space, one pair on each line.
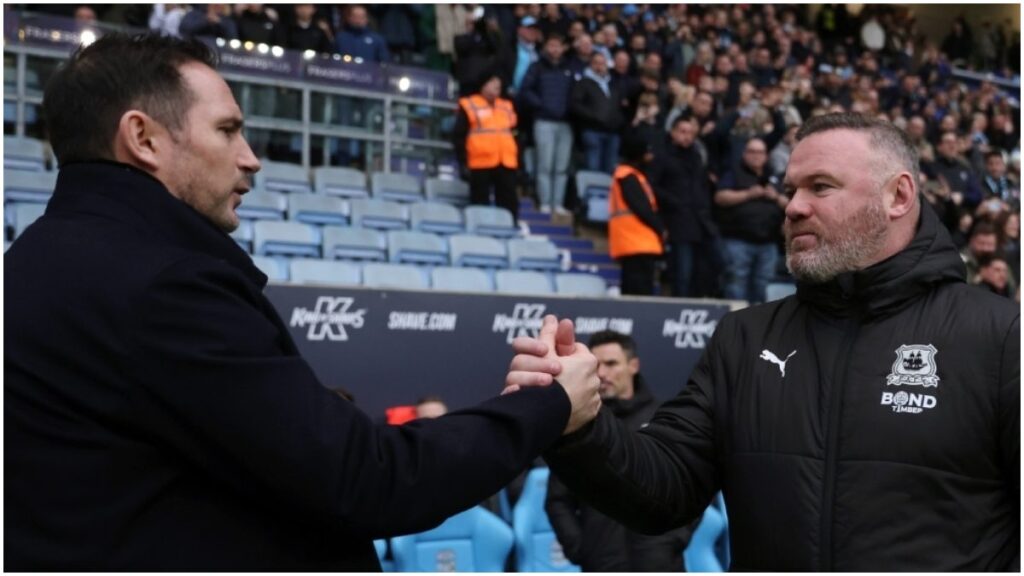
[490,142]
[627,234]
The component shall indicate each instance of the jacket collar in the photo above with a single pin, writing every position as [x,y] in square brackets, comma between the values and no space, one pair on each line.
[641,398]
[130,196]
[928,261]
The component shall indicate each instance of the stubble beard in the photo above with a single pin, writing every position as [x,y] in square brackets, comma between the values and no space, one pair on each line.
[853,244]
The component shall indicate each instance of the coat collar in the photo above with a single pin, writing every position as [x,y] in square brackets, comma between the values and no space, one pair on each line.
[132,197]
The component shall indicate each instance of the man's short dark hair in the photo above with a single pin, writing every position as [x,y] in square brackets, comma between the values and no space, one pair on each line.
[885,137]
[86,98]
[995,152]
[554,36]
[986,260]
[612,337]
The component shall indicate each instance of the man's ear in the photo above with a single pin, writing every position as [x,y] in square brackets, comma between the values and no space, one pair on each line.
[903,196]
[140,141]
[634,364]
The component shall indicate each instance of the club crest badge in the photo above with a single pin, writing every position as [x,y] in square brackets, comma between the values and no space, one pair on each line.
[914,366]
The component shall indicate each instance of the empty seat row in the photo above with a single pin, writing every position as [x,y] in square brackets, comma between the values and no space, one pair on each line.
[294,239]
[351,183]
[25,154]
[408,276]
[374,213]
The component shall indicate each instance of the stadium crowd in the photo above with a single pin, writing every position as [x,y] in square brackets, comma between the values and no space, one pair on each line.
[715,94]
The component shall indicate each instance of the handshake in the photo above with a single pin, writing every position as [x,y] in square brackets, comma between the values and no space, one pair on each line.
[557,354]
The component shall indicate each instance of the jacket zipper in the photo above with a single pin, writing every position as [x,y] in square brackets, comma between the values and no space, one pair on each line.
[832,447]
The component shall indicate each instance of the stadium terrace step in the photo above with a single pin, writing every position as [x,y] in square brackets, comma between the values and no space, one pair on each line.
[534,217]
[612,274]
[572,243]
[551,229]
[591,257]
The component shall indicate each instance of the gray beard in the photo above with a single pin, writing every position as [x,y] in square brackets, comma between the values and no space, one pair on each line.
[854,242]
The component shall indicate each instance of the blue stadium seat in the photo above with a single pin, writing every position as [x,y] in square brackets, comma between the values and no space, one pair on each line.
[24,153]
[354,244]
[708,548]
[578,284]
[243,235]
[395,187]
[460,279]
[275,270]
[537,548]
[593,189]
[455,192]
[317,209]
[309,271]
[436,217]
[381,546]
[345,182]
[533,254]
[490,221]
[472,541]
[23,186]
[23,215]
[261,205]
[404,276]
[282,177]
[477,251]
[379,214]
[285,239]
[407,246]
[522,282]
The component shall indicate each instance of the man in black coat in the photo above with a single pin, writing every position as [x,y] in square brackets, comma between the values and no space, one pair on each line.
[869,422]
[596,110]
[680,184]
[157,414]
[593,541]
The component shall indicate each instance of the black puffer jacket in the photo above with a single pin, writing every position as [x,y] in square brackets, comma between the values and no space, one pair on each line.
[871,423]
[596,542]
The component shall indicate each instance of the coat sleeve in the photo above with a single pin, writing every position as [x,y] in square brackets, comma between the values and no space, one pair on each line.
[1009,423]
[655,479]
[562,508]
[634,196]
[529,90]
[220,390]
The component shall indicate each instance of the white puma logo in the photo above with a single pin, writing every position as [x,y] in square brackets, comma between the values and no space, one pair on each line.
[767,355]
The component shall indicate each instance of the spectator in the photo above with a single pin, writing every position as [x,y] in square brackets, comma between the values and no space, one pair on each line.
[589,538]
[85,15]
[398,27]
[958,44]
[355,39]
[635,232]
[211,21]
[608,40]
[528,34]
[680,184]
[996,184]
[648,122]
[259,24]
[1010,243]
[750,215]
[680,53]
[546,91]
[597,113]
[479,53]
[916,130]
[166,18]
[702,64]
[486,146]
[450,22]
[582,50]
[552,21]
[779,157]
[956,172]
[305,33]
[994,275]
[431,407]
[983,242]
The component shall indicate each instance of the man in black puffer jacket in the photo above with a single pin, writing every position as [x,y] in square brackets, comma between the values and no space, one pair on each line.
[870,422]
[589,538]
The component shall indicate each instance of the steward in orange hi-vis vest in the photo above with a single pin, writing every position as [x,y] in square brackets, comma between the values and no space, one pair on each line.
[627,234]
[490,142]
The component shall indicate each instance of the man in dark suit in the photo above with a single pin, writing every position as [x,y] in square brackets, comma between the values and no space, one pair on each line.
[157,415]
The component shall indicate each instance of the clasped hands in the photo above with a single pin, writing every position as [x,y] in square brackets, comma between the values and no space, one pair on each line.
[538,361]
